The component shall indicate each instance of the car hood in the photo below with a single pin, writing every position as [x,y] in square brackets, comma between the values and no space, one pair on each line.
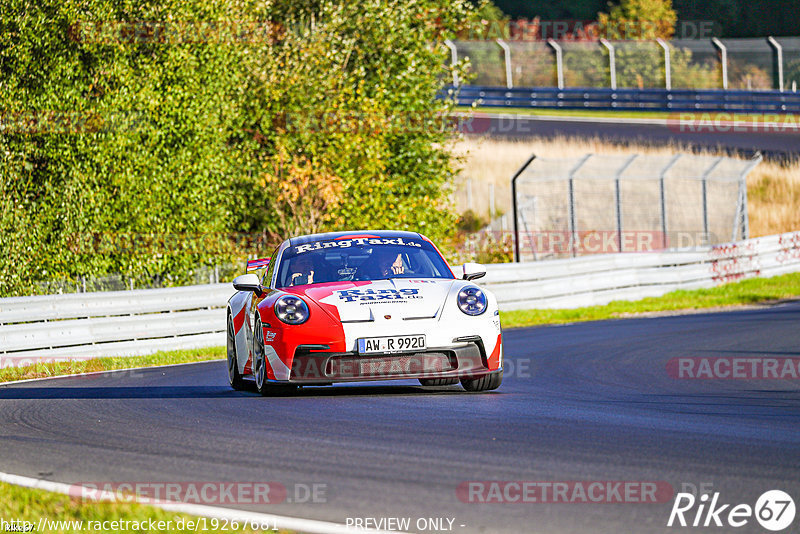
[363,301]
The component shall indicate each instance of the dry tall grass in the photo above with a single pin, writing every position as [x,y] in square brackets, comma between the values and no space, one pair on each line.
[773,189]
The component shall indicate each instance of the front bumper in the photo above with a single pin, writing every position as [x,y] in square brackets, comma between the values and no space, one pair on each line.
[465,360]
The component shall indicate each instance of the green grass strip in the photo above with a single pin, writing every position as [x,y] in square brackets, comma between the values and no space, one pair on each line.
[65,513]
[43,370]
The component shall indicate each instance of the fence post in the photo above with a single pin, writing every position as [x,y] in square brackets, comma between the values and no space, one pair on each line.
[706,174]
[777,61]
[491,201]
[612,62]
[527,230]
[618,196]
[507,58]
[559,61]
[742,217]
[667,67]
[453,59]
[573,230]
[514,204]
[723,51]
[662,175]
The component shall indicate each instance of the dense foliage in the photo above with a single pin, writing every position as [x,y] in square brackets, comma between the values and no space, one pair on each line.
[153,138]
[732,18]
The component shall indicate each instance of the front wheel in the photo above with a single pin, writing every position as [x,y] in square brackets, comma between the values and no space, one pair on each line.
[486,382]
[263,385]
[234,378]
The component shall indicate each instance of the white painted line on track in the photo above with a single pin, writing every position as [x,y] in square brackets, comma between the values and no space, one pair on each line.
[310,526]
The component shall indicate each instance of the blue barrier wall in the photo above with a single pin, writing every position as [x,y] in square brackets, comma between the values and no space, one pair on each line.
[678,100]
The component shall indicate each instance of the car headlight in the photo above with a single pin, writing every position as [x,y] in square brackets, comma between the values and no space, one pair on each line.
[291,310]
[472,301]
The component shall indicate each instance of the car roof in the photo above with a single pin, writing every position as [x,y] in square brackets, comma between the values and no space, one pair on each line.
[294,241]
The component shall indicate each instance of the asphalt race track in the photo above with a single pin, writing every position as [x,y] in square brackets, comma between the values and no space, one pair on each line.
[583,402]
[774,143]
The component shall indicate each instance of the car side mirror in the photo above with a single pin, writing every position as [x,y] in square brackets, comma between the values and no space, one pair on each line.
[473,271]
[248,282]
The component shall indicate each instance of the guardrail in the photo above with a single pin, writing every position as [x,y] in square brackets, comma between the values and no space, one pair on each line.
[599,279]
[119,323]
[677,100]
[113,323]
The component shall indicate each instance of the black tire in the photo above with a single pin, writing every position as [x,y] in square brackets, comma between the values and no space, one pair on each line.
[263,385]
[438,381]
[234,378]
[486,382]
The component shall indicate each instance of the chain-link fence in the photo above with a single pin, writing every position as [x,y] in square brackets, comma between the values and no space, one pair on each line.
[600,204]
[747,64]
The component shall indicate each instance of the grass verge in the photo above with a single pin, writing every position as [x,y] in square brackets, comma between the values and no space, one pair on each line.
[64,513]
[751,291]
[46,369]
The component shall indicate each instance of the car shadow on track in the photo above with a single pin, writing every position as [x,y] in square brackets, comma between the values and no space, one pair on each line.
[214,392]
[117,392]
[376,390]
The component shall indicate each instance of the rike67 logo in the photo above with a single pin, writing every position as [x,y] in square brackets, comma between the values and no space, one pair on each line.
[774,510]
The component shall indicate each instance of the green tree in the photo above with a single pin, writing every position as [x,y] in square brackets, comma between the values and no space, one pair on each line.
[138,135]
[639,19]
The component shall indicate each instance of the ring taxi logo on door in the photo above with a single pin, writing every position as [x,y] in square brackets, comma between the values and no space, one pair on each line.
[774,510]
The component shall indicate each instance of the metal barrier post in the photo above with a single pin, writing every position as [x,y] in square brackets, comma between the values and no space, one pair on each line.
[514,201]
[663,174]
[667,67]
[612,62]
[777,60]
[453,59]
[527,230]
[491,201]
[723,50]
[706,174]
[573,230]
[618,196]
[507,58]
[559,61]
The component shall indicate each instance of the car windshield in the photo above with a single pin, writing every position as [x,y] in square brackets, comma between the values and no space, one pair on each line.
[360,258]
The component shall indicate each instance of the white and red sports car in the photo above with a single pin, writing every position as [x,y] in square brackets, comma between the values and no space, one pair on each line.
[366,305]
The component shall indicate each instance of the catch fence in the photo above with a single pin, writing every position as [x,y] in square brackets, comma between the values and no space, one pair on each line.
[590,204]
